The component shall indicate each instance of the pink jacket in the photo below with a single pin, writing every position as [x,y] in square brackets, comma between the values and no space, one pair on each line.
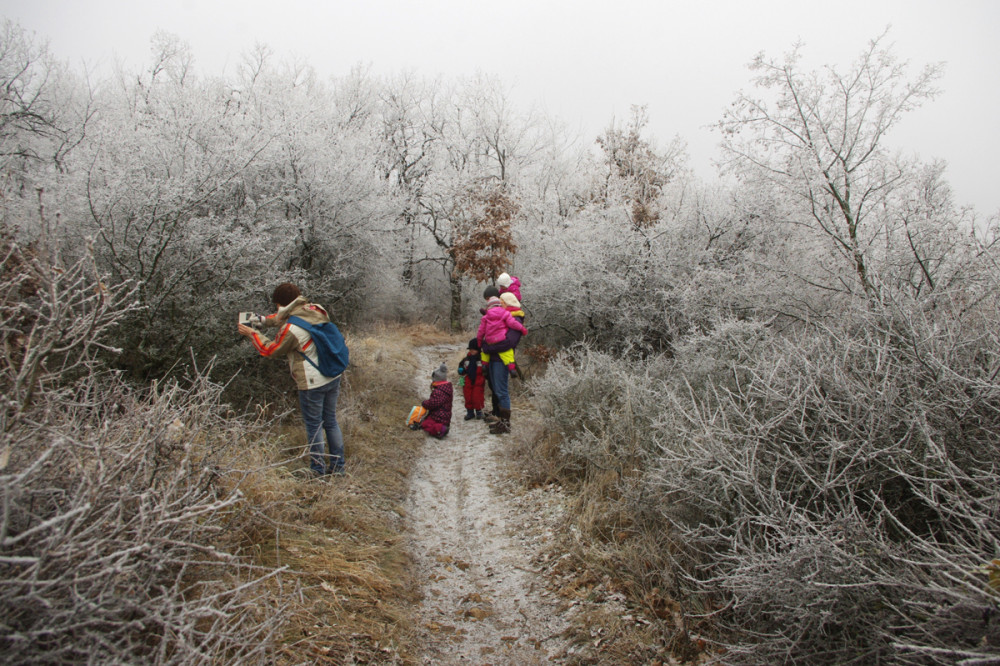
[514,288]
[494,324]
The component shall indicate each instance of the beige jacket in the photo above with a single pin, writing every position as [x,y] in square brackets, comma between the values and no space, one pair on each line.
[292,341]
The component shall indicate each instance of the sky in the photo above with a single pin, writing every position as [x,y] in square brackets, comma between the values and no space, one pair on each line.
[585,61]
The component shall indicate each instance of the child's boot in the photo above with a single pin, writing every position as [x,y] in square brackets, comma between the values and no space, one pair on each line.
[470,414]
[479,414]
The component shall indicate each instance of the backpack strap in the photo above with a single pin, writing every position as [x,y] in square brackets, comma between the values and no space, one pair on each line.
[307,327]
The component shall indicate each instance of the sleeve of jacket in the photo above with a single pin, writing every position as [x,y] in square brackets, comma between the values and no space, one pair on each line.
[284,343]
[512,322]
[482,331]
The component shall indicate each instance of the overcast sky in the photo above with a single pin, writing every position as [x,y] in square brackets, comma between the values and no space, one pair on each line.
[585,61]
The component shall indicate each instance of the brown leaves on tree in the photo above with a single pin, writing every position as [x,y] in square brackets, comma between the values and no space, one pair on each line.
[636,173]
[484,240]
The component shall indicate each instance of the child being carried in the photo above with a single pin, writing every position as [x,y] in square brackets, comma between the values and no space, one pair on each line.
[502,314]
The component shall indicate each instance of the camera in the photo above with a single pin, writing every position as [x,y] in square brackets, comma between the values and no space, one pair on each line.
[252,319]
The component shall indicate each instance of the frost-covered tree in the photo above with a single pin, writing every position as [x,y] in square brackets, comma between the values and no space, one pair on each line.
[167,206]
[819,137]
[447,149]
[43,111]
[636,171]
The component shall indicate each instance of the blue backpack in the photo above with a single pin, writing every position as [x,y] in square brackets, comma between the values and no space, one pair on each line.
[330,346]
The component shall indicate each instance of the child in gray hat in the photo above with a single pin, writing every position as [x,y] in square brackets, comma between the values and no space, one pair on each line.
[438,405]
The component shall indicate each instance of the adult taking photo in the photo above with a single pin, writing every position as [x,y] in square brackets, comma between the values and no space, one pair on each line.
[317,357]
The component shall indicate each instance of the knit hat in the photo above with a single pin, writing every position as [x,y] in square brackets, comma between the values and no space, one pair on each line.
[510,300]
[490,291]
[493,302]
[441,374]
[473,344]
[503,280]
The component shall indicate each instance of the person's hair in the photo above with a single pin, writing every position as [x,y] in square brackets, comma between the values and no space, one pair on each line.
[284,294]
[491,291]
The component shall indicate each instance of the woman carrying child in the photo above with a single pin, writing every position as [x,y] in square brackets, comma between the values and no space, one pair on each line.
[493,329]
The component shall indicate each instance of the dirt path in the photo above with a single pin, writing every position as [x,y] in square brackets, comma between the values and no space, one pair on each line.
[474,536]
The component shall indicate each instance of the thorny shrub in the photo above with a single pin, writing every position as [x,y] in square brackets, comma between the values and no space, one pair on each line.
[120,508]
[828,496]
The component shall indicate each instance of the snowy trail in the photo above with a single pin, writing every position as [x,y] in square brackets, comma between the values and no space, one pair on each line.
[473,537]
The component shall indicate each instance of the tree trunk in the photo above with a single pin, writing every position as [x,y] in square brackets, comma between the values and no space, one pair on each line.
[455,283]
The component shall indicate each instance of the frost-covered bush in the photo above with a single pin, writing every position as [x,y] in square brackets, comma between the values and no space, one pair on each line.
[827,496]
[603,407]
[121,508]
[121,520]
[836,492]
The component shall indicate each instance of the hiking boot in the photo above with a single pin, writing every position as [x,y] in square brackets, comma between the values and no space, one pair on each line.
[502,426]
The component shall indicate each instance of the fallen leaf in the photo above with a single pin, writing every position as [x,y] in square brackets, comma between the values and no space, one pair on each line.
[477,613]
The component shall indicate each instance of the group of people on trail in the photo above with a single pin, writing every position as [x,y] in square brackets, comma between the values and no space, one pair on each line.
[489,361]
[308,339]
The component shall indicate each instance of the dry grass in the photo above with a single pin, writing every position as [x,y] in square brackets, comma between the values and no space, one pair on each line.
[342,538]
[610,561]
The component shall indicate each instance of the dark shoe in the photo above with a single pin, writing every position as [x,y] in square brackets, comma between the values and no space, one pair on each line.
[502,426]
[479,414]
[470,414]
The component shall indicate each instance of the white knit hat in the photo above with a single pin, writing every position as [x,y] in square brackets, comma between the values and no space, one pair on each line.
[510,300]
[503,280]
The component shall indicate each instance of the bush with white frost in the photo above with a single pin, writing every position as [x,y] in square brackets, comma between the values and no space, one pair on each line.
[121,510]
[827,497]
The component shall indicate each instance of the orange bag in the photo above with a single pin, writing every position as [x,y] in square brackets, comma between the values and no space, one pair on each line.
[417,415]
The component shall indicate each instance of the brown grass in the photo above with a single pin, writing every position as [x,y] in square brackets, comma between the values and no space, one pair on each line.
[342,539]
[609,554]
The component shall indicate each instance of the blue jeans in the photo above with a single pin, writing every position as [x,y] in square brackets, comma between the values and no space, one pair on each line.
[319,412]
[498,381]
